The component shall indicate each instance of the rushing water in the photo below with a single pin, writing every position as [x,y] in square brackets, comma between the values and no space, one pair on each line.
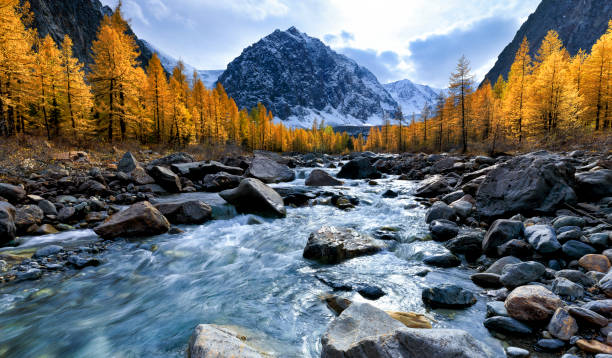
[149,294]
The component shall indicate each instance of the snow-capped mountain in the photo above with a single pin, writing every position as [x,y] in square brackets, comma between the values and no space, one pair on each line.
[300,80]
[208,77]
[412,97]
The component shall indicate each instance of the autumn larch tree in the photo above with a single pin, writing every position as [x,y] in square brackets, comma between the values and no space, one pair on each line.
[461,86]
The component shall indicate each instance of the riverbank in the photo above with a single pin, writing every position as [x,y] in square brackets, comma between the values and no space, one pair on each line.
[394,204]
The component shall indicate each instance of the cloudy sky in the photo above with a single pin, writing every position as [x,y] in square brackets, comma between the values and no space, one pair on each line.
[416,39]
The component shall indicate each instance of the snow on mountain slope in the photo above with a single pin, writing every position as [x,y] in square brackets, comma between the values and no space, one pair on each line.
[208,77]
[412,97]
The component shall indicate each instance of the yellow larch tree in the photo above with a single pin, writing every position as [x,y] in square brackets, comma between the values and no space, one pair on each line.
[597,83]
[515,97]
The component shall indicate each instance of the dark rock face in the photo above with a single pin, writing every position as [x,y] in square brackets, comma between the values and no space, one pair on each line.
[450,296]
[359,168]
[594,185]
[220,181]
[79,20]
[253,196]
[12,193]
[533,183]
[320,177]
[501,232]
[185,212]
[141,219]
[293,74]
[579,25]
[269,171]
[127,163]
[7,223]
[332,245]
[166,179]
[507,325]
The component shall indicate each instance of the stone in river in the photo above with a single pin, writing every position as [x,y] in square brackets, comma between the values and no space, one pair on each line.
[532,303]
[442,230]
[331,245]
[210,340]
[442,260]
[253,196]
[518,274]
[320,177]
[439,210]
[501,232]
[448,296]
[140,219]
[185,212]
[7,223]
[269,171]
[507,325]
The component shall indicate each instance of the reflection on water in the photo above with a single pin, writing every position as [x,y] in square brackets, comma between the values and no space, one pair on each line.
[147,297]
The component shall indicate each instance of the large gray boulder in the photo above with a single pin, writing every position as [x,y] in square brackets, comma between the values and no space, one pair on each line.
[140,219]
[432,187]
[320,177]
[359,168]
[12,193]
[269,171]
[533,183]
[363,331]
[7,223]
[186,211]
[331,245]
[198,170]
[253,196]
[592,186]
[501,232]
[210,340]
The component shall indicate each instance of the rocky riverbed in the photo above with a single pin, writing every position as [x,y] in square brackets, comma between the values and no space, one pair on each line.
[366,255]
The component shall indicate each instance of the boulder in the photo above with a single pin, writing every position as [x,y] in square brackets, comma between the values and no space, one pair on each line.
[127,163]
[432,187]
[498,266]
[166,179]
[210,340]
[574,249]
[439,210]
[562,325]
[12,193]
[567,220]
[7,223]
[532,303]
[463,208]
[185,212]
[269,171]
[487,280]
[253,196]
[500,232]
[588,317]
[140,177]
[220,181]
[198,170]
[140,219]
[515,247]
[363,331]
[595,262]
[518,274]
[542,238]
[448,296]
[442,230]
[359,168]
[27,216]
[442,260]
[603,307]
[566,288]
[47,251]
[320,177]
[331,245]
[47,207]
[507,325]
[532,183]
[577,277]
[469,245]
[93,187]
[594,185]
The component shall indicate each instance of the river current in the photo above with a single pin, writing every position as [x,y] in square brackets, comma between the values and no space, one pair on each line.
[149,294]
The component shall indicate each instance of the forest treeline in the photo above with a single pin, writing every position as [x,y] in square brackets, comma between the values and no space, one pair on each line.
[44,90]
[551,99]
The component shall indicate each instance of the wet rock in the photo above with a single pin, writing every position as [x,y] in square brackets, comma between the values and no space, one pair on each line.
[448,296]
[47,207]
[66,214]
[127,163]
[7,223]
[575,249]
[593,346]
[532,303]
[390,194]
[577,277]
[331,245]
[572,234]
[603,307]
[496,308]
[140,219]
[566,288]
[336,303]
[442,260]
[587,317]
[452,197]
[174,158]
[487,280]
[562,325]
[501,232]
[463,208]
[507,325]
[320,177]
[566,220]
[598,240]
[515,352]
[518,274]
[442,230]
[47,251]
[516,248]
[359,168]
[549,345]
[210,340]
[542,238]
[253,196]
[432,187]
[536,182]
[363,331]
[82,262]
[269,171]
[46,229]
[410,319]
[469,245]
[166,179]
[605,284]
[185,212]
[13,193]
[439,210]
[30,274]
[199,170]
[140,177]
[594,185]
[370,292]
[594,262]
[220,181]
[27,216]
